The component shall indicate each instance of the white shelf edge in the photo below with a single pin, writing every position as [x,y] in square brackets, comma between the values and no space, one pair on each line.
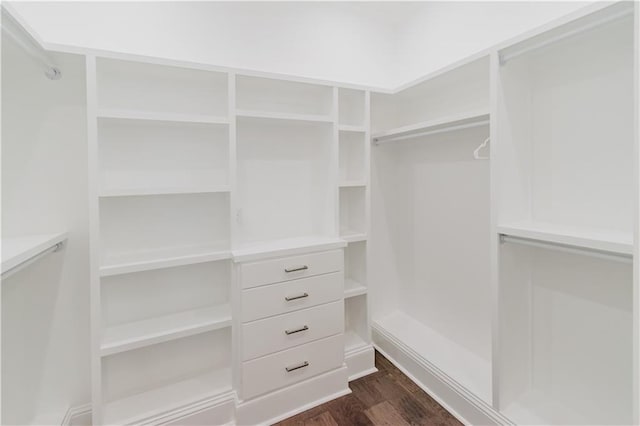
[351,128]
[441,124]
[18,250]
[145,406]
[165,262]
[613,242]
[352,184]
[285,247]
[123,114]
[353,342]
[353,288]
[138,192]
[148,332]
[242,113]
[353,237]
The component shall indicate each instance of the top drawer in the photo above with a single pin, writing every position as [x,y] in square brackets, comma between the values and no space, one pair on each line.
[290,268]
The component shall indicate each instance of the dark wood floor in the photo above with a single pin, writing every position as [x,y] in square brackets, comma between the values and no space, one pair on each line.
[387,397]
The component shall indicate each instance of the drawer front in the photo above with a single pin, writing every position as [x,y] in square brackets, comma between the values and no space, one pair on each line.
[293,365]
[290,268]
[296,328]
[274,299]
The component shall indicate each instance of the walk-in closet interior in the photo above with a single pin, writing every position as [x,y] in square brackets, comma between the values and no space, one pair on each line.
[193,242]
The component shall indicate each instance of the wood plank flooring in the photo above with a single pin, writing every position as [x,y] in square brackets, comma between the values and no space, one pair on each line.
[387,398]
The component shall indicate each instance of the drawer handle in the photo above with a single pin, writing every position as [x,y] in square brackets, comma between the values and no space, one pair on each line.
[296,269]
[297,330]
[290,298]
[297,367]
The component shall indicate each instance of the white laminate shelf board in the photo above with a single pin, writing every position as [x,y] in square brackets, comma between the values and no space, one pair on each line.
[461,365]
[136,192]
[271,115]
[18,250]
[352,183]
[132,409]
[608,241]
[453,122]
[138,334]
[284,247]
[123,114]
[163,258]
[353,236]
[351,128]
[353,288]
[353,342]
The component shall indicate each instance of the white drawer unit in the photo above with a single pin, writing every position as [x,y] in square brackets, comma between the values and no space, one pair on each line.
[281,332]
[289,268]
[284,368]
[264,301]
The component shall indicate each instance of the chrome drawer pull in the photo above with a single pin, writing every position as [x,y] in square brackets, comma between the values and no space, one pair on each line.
[296,269]
[297,367]
[298,330]
[290,298]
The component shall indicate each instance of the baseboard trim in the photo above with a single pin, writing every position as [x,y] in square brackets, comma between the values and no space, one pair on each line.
[360,362]
[74,414]
[456,399]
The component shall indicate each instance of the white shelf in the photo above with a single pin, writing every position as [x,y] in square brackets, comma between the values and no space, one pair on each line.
[353,236]
[163,258]
[123,114]
[284,247]
[459,363]
[609,241]
[132,192]
[351,128]
[454,122]
[17,250]
[161,400]
[353,288]
[138,334]
[284,116]
[352,183]
[353,342]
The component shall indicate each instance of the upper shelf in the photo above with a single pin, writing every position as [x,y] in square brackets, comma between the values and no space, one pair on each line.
[441,125]
[18,250]
[123,114]
[272,115]
[608,241]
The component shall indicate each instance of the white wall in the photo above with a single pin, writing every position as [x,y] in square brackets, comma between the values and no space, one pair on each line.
[443,32]
[45,307]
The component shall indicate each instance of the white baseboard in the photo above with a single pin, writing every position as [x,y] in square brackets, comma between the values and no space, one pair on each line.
[360,362]
[460,402]
[80,415]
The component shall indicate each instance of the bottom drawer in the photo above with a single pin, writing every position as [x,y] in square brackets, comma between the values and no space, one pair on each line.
[293,365]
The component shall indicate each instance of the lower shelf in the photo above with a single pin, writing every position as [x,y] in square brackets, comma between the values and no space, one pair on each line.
[353,288]
[457,362]
[353,342]
[161,400]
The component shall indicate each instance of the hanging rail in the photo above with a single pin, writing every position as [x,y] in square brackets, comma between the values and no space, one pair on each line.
[507,56]
[20,266]
[12,29]
[565,248]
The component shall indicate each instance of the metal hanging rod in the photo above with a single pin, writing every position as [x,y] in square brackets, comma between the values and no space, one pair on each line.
[505,57]
[383,139]
[565,248]
[12,29]
[33,259]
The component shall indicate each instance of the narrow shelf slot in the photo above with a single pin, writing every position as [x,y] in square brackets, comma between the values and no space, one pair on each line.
[353,288]
[138,334]
[123,114]
[162,258]
[353,342]
[18,250]
[157,401]
[608,241]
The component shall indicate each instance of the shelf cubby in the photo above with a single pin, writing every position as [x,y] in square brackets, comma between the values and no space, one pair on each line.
[352,159]
[355,272]
[356,325]
[151,381]
[352,213]
[351,109]
[141,233]
[271,98]
[140,90]
[566,337]
[143,158]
